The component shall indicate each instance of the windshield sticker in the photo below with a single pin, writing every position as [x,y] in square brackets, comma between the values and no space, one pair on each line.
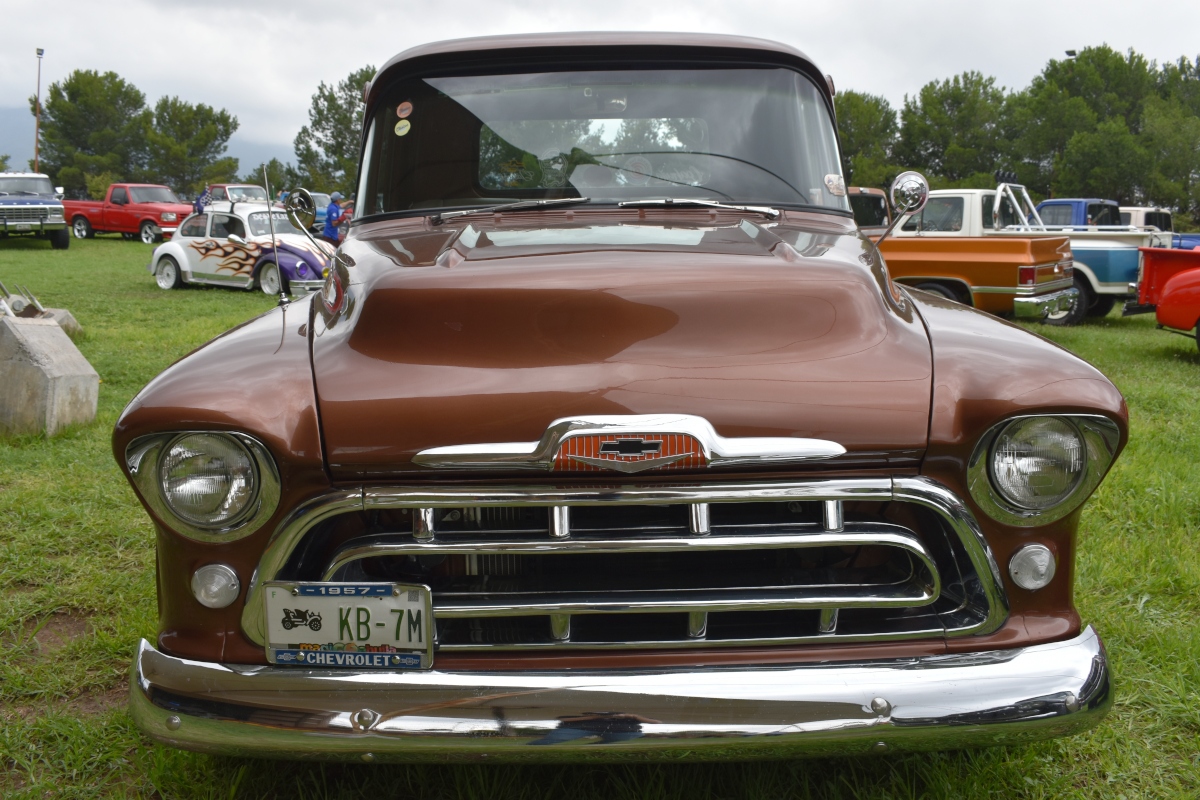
[403,127]
[836,185]
[404,109]
[636,171]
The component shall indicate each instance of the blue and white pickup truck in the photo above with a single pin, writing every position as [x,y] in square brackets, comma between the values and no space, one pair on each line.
[31,206]
[1160,220]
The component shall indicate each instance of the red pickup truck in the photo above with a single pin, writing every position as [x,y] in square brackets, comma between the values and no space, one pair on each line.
[147,211]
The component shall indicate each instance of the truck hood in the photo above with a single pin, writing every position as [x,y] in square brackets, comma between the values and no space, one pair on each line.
[489,332]
[28,200]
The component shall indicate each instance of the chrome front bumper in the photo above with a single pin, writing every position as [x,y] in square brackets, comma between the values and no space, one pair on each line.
[1045,304]
[305,287]
[928,703]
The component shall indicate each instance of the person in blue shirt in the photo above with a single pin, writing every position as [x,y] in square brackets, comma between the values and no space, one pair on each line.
[333,213]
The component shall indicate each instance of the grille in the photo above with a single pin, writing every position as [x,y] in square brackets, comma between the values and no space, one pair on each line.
[616,568]
[24,213]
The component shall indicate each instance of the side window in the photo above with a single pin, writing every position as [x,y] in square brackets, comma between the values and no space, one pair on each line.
[224,226]
[1102,214]
[194,226]
[1056,214]
[911,223]
[1159,219]
[1126,218]
[943,214]
[119,196]
[218,193]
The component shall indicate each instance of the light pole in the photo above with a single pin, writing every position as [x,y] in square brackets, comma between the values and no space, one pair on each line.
[37,114]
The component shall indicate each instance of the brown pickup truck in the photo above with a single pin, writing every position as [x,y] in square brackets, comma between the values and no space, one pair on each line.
[147,211]
[1009,276]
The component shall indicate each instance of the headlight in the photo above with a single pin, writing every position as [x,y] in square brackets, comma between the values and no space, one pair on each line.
[206,485]
[208,479]
[1033,470]
[168,216]
[1037,462]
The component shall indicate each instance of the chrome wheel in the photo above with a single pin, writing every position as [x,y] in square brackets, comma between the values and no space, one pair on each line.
[167,274]
[148,234]
[81,228]
[268,279]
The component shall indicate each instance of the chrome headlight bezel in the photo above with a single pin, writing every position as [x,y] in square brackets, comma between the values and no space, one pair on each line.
[143,458]
[1101,438]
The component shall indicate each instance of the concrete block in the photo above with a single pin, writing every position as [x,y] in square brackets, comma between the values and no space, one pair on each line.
[65,319]
[45,382]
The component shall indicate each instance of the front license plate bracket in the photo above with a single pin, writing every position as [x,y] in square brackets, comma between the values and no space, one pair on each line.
[350,625]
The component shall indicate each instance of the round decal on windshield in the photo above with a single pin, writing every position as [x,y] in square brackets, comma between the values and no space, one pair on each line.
[403,127]
[404,109]
[636,171]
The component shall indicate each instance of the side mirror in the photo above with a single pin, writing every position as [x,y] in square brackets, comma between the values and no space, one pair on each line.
[909,193]
[301,209]
[58,190]
[233,237]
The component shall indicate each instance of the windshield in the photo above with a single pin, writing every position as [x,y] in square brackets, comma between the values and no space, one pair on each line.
[25,185]
[152,194]
[760,136]
[870,210]
[261,226]
[242,193]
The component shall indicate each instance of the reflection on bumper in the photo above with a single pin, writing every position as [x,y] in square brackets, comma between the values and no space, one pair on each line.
[305,287]
[1045,304]
[932,702]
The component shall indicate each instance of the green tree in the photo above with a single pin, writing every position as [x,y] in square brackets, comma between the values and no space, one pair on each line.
[1171,139]
[952,129]
[4,162]
[1109,162]
[867,128]
[92,123]
[327,148]
[185,144]
[279,175]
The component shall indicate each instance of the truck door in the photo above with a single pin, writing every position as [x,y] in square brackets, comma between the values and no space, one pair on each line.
[116,215]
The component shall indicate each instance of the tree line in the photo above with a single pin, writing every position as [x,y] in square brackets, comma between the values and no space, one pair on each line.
[97,129]
[1101,124]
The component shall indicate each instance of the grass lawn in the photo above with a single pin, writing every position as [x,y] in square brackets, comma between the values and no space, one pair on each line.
[77,592]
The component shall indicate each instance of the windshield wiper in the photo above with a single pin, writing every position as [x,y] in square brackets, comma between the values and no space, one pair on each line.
[520,205]
[769,213]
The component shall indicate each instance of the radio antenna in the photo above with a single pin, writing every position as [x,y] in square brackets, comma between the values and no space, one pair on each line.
[283,298]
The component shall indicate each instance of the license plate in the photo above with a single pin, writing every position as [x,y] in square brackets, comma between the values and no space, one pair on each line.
[350,625]
[21,226]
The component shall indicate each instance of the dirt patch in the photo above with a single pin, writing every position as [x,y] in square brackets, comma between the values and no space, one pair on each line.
[58,632]
[91,704]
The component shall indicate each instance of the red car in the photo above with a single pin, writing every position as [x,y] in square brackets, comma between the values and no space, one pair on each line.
[147,211]
[1169,285]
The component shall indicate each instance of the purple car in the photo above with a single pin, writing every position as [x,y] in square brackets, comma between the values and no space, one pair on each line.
[230,244]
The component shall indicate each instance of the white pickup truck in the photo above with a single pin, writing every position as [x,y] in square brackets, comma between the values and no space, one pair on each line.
[1106,258]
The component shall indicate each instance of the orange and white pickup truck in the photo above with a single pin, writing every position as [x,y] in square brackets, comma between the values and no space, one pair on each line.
[1021,276]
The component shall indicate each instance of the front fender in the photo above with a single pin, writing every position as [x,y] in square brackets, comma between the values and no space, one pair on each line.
[1179,302]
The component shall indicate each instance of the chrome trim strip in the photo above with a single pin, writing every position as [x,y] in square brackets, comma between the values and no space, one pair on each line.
[922,491]
[141,459]
[1045,304]
[718,451]
[1101,437]
[1025,291]
[699,713]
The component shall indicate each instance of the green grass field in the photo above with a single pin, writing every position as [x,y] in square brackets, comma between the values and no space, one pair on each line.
[77,592]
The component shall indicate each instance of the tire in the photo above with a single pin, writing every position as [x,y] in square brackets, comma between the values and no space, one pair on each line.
[167,274]
[1104,304]
[269,279]
[82,228]
[60,240]
[288,624]
[148,235]
[314,625]
[938,289]
[1080,310]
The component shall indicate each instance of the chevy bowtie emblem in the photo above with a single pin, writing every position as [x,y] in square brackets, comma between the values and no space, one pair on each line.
[630,447]
[629,453]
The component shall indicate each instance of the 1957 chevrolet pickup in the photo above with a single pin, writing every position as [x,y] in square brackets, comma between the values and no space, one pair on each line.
[609,436]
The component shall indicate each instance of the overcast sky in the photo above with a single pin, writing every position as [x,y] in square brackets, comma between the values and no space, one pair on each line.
[262,61]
